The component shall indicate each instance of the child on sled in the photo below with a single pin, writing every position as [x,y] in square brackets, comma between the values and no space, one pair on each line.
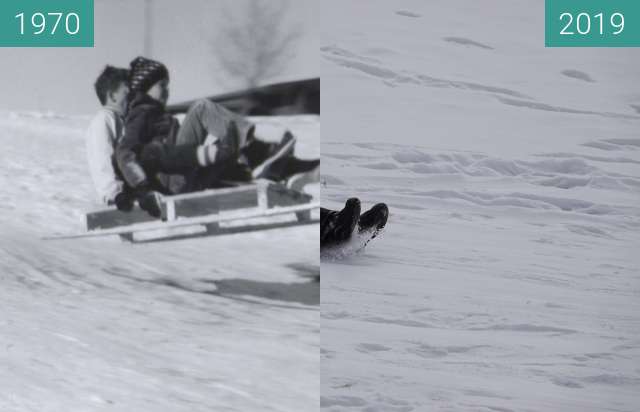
[156,155]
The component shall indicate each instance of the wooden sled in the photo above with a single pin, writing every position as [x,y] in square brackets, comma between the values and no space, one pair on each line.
[201,213]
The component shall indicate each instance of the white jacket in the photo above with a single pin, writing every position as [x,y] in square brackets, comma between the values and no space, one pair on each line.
[104,131]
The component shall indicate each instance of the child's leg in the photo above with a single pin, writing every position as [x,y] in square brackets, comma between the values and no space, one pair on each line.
[157,157]
[212,163]
[208,118]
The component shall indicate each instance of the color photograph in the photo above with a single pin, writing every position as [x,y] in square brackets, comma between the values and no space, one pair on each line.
[481,207]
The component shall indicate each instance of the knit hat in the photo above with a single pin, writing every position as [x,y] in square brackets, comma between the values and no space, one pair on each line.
[145,73]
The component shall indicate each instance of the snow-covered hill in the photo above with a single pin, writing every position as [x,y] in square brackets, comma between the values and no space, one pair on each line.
[217,323]
[508,278]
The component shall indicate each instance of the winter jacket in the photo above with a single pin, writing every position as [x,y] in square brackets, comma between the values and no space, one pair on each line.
[104,131]
[147,123]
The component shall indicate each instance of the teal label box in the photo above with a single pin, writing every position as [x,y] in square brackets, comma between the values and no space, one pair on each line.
[46,23]
[592,23]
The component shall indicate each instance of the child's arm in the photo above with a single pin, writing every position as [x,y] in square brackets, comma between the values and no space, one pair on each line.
[99,141]
[134,137]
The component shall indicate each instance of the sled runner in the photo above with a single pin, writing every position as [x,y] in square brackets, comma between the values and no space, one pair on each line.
[201,213]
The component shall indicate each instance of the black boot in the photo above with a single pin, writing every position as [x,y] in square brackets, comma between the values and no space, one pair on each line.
[290,166]
[374,219]
[338,226]
[281,150]
[256,151]
[149,200]
[348,218]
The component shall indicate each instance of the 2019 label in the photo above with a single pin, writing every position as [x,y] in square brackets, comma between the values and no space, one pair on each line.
[582,23]
[592,23]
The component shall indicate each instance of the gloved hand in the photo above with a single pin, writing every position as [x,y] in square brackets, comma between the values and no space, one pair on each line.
[123,201]
[149,200]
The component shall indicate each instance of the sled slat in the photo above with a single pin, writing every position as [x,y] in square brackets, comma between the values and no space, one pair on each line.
[188,205]
[225,203]
[214,203]
[110,218]
[180,222]
[278,195]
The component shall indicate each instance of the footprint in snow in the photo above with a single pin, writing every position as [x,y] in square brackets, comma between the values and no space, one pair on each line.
[467,42]
[578,75]
[406,13]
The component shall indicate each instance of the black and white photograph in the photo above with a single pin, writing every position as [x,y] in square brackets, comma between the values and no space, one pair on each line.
[160,210]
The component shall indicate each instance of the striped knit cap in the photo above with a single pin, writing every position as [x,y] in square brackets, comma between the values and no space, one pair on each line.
[145,73]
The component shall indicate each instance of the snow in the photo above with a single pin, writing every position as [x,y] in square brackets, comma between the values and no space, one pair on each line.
[215,323]
[508,277]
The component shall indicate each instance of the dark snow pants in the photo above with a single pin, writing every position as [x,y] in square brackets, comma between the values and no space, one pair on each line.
[175,164]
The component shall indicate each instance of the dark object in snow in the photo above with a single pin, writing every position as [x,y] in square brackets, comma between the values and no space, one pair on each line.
[338,226]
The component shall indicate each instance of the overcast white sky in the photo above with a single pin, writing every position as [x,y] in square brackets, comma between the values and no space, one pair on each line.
[61,79]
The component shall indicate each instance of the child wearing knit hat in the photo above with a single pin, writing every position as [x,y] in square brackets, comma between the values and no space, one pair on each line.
[145,151]
[158,156]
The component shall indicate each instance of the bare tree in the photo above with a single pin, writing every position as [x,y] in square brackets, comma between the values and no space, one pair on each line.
[256,45]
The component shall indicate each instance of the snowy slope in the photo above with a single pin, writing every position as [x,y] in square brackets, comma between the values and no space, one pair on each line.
[508,278]
[218,323]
